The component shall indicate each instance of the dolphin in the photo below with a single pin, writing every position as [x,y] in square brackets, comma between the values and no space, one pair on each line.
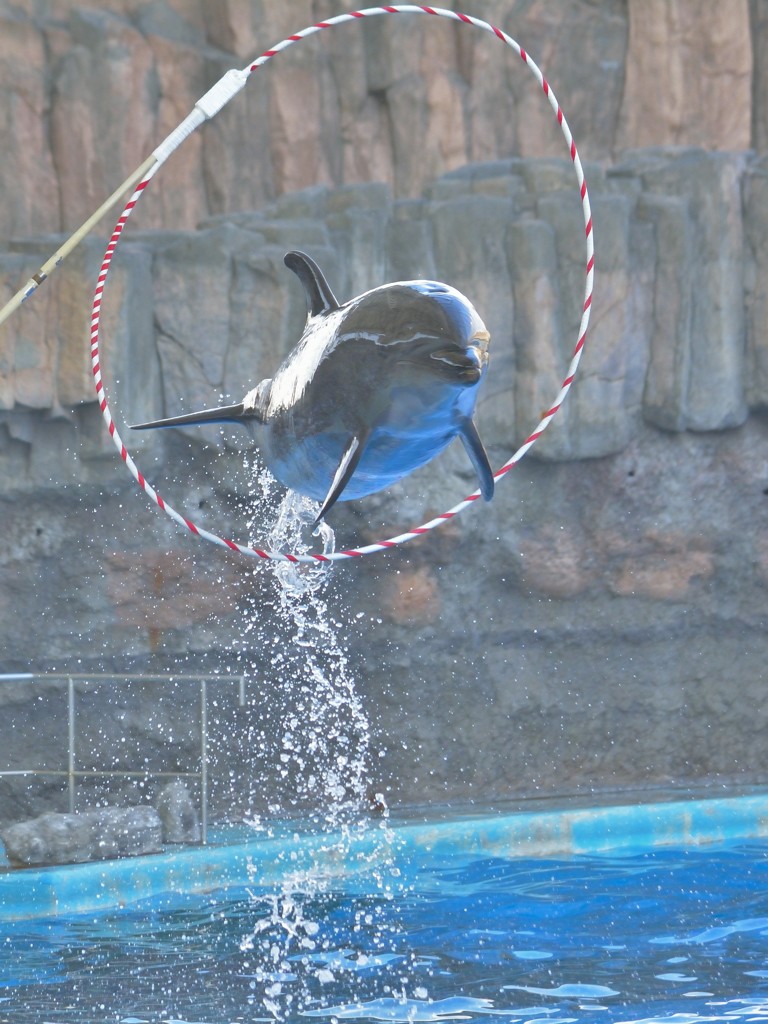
[376,387]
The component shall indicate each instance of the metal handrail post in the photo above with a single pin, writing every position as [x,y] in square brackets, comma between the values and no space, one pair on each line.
[71,743]
[204,760]
[72,774]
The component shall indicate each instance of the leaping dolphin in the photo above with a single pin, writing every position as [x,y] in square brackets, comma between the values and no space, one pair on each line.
[376,387]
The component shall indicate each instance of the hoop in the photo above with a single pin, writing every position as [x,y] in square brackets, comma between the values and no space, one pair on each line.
[207,107]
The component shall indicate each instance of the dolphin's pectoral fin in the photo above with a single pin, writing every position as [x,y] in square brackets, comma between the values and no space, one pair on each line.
[479,458]
[347,466]
[224,414]
[320,298]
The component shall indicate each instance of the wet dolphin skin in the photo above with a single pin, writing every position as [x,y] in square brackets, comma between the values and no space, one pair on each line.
[376,387]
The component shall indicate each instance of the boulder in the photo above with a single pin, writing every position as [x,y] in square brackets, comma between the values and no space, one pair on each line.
[90,835]
[178,814]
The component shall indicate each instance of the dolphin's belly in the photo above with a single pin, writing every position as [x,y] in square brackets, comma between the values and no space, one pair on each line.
[403,410]
[309,468]
[413,433]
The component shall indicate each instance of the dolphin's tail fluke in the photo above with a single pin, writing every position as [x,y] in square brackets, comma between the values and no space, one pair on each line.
[224,414]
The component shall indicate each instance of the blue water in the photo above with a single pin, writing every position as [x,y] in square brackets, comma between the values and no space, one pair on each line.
[676,936]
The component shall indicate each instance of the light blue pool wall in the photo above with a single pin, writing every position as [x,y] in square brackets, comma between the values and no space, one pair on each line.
[233,859]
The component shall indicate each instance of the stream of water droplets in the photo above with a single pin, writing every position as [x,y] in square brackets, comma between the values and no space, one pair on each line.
[313,741]
[314,736]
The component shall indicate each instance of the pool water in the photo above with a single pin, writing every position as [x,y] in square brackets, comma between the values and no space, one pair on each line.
[675,935]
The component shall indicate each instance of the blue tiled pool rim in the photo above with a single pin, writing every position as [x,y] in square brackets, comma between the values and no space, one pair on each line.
[250,859]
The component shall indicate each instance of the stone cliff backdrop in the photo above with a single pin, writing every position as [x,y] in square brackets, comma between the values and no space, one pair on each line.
[603,622]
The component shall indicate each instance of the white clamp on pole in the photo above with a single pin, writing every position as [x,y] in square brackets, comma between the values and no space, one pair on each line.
[228,86]
[206,107]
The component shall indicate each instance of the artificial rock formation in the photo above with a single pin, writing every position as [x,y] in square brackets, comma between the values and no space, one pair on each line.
[90,835]
[181,822]
[601,622]
[210,312]
[89,90]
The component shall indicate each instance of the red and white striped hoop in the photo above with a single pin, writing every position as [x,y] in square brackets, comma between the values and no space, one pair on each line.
[207,107]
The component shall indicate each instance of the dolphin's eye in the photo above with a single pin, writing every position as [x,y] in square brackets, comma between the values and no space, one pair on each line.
[480,340]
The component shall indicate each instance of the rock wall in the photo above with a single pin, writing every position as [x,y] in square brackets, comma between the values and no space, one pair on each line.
[601,623]
[89,89]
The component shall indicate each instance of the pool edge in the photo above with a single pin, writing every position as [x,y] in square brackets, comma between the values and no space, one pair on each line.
[108,885]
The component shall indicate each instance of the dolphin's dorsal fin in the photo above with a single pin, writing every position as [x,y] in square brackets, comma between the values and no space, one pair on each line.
[347,466]
[479,457]
[320,298]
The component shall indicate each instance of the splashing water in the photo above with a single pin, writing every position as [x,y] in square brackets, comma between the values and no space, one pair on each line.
[317,731]
[313,741]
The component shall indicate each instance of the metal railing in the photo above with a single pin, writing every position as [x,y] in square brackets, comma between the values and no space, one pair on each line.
[72,773]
